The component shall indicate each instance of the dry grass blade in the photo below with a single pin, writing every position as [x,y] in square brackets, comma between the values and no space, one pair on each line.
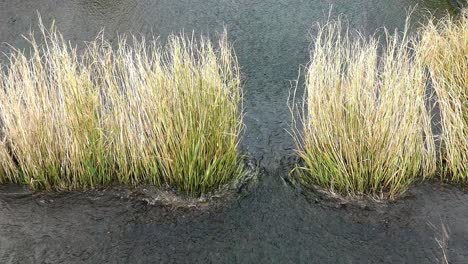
[138,113]
[444,50]
[363,115]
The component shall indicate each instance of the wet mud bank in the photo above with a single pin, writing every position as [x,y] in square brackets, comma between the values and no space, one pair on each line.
[271,221]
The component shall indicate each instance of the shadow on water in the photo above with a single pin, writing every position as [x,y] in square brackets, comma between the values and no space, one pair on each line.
[270,222]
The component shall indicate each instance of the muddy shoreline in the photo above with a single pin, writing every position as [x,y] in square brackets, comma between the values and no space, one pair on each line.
[269,221]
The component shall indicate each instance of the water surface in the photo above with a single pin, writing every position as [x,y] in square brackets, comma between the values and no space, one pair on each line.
[270,223]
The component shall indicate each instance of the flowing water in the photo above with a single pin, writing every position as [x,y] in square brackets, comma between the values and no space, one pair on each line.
[271,222]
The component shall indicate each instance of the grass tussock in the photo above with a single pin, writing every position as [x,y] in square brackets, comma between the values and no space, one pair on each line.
[365,125]
[444,50]
[138,113]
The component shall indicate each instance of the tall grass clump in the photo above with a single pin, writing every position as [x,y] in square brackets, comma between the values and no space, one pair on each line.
[444,50]
[365,125]
[136,113]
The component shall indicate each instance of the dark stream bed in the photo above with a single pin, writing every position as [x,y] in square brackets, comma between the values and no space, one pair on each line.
[269,222]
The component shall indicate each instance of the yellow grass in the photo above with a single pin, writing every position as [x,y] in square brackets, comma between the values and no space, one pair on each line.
[365,125]
[444,50]
[138,113]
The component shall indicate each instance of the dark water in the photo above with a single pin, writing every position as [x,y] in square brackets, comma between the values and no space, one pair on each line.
[270,222]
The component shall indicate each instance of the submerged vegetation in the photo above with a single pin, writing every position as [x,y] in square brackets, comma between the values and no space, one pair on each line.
[444,50]
[366,129]
[135,113]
